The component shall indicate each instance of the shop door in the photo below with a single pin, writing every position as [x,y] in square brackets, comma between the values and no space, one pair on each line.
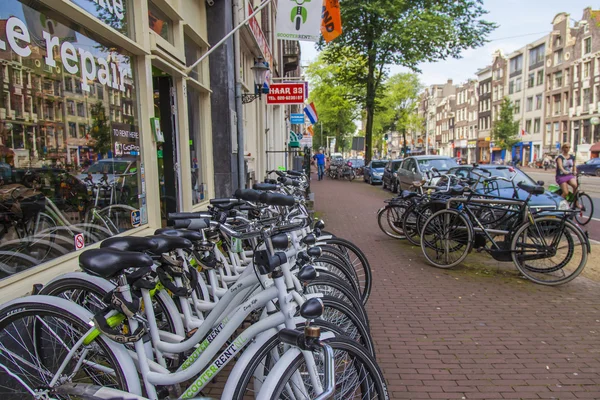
[167,151]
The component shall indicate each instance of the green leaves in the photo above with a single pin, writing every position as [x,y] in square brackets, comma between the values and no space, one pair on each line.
[505,130]
[100,129]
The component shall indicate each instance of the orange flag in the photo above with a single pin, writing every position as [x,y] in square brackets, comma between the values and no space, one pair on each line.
[331,20]
[310,130]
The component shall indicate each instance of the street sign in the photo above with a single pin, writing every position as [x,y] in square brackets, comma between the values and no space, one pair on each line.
[297,118]
[286,93]
[306,141]
[136,218]
[79,241]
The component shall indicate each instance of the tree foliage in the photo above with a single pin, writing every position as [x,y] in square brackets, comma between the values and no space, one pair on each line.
[100,129]
[505,130]
[406,33]
[335,102]
[397,107]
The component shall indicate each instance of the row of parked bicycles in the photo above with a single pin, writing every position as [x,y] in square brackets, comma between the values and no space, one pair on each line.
[249,300]
[451,216]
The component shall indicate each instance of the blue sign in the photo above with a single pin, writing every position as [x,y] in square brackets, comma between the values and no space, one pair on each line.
[297,118]
[136,218]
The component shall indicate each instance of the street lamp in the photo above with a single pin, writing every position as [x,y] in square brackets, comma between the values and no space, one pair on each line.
[260,70]
[594,121]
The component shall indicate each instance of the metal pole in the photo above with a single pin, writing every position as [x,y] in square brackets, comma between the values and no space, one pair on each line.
[239,110]
[220,42]
[321,133]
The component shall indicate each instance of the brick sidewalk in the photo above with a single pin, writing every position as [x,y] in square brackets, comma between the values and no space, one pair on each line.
[478,331]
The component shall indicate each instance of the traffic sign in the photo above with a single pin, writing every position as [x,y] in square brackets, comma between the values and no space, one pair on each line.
[297,118]
[79,241]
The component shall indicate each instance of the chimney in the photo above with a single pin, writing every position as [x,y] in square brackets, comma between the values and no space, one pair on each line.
[449,81]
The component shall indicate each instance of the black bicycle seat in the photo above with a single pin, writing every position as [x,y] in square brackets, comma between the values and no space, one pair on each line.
[108,262]
[182,233]
[167,244]
[130,243]
[531,189]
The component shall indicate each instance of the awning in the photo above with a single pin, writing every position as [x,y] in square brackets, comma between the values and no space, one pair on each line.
[595,147]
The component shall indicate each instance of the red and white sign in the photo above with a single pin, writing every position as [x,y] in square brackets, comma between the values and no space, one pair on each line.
[286,93]
[260,37]
[79,241]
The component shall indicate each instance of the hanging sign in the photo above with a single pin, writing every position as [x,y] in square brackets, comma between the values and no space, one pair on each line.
[299,20]
[286,93]
[297,118]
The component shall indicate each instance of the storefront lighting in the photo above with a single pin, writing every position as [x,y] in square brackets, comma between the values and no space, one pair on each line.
[260,70]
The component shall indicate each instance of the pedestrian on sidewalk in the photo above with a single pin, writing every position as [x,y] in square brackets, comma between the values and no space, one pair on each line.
[320,158]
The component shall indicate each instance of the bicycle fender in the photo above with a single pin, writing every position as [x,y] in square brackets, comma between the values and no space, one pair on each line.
[95,280]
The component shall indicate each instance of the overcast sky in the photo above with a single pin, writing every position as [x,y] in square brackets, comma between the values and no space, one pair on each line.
[519,22]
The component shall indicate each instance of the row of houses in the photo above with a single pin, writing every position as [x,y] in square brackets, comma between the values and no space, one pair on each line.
[554,86]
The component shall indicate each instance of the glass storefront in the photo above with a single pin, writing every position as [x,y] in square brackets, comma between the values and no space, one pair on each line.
[69,135]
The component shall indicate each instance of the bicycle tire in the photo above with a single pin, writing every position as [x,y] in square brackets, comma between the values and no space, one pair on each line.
[531,272]
[372,382]
[391,216]
[38,309]
[359,262]
[339,269]
[587,206]
[118,216]
[262,357]
[436,238]
[342,315]
[331,285]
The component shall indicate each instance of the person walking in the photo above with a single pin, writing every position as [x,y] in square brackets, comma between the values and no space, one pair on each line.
[320,158]
[566,170]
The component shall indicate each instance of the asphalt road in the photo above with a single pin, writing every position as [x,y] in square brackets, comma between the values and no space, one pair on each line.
[590,184]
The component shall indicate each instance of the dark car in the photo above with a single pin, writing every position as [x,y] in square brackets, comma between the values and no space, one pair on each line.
[373,173]
[414,168]
[591,167]
[504,189]
[390,173]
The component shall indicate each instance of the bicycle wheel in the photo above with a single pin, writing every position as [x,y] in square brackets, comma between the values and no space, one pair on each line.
[342,315]
[390,220]
[586,211]
[414,219]
[446,238]
[331,285]
[357,376]
[338,268]
[551,251]
[36,334]
[358,261]
[116,218]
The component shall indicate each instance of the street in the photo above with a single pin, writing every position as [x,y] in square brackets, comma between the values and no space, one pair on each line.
[589,184]
[478,330]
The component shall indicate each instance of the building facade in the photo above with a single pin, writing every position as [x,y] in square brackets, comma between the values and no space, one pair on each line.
[484,117]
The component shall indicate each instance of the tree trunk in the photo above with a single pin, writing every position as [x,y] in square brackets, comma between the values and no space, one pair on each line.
[404,147]
[370,105]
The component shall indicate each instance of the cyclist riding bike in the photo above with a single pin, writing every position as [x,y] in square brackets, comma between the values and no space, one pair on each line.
[566,171]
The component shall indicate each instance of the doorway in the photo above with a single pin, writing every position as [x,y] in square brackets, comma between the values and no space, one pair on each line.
[167,157]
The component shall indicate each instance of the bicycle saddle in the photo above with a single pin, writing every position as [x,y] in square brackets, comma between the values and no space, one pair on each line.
[182,233]
[247,194]
[407,194]
[130,243]
[107,262]
[167,244]
[531,189]
[265,186]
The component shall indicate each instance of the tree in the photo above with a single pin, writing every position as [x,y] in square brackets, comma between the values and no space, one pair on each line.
[505,129]
[398,106]
[404,33]
[333,100]
[100,129]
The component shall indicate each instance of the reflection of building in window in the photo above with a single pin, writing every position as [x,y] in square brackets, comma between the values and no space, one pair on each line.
[159,22]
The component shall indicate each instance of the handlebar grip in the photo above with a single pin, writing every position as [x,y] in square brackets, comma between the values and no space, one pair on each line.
[279,173]
[294,173]
[195,223]
[247,194]
[265,186]
[186,215]
[181,223]
[276,199]
[221,201]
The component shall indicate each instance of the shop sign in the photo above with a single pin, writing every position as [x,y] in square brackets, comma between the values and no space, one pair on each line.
[297,118]
[472,144]
[75,60]
[286,93]
[306,141]
[126,139]
[260,37]
[136,218]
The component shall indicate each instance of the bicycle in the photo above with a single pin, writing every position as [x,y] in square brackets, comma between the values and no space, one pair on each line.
[580,202]
[545,237]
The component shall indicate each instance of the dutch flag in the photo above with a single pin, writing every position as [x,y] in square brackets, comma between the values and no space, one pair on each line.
[311,113]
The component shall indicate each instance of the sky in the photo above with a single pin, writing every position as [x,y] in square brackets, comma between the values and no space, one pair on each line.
[519,22]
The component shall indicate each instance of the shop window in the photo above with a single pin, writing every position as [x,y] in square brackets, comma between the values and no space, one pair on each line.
[118,14]
[72,139]
[199,186]
[192,53]
[160,23]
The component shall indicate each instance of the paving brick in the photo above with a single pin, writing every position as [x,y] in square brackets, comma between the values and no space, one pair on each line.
[471,334]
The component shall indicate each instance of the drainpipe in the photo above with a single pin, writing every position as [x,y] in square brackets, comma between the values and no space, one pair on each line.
[239,110]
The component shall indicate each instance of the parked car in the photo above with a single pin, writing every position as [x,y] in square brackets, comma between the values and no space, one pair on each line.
[390,173]
[373,172]
[546,201]
[121,171]
[591,167]
[414,168]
